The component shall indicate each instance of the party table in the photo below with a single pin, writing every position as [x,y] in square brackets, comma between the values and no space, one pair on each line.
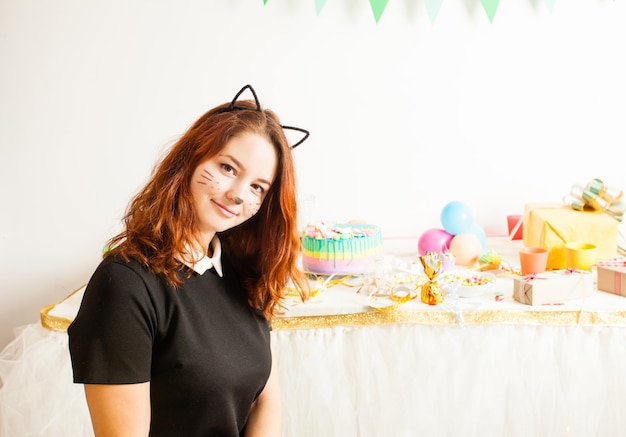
[480,366]
[500,369]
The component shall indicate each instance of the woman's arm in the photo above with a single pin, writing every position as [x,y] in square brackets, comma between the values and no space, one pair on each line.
[265,418]
[119,410]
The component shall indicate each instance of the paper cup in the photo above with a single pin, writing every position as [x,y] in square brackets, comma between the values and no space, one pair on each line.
[512,221]
[448,263]
[580,256]
[533,260]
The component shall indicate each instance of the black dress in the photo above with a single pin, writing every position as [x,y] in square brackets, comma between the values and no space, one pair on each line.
[205,351]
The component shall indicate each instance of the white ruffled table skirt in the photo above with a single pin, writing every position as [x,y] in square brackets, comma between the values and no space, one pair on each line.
[37,395]
[386,380]
[348,371]
[432,380]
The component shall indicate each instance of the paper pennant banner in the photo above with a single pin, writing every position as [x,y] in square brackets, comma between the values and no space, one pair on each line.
[319,4]
[490,7]
[378,7]
[432,7]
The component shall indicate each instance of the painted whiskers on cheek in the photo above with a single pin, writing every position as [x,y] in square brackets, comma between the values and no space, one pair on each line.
[253,208]
[206,178]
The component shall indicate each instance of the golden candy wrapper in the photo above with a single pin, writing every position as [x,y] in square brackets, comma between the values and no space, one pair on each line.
[432,291]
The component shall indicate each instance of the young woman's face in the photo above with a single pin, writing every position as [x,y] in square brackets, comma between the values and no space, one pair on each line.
[229,188]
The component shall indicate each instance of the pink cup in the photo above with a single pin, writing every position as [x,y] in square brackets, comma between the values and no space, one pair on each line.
[512,221]
[533,260]
[448,263]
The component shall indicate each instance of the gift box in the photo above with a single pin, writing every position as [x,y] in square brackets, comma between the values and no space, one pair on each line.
[551,288]
[612,279]
[553,227]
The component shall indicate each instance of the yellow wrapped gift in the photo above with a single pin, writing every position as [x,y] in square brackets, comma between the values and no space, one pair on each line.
[551,227]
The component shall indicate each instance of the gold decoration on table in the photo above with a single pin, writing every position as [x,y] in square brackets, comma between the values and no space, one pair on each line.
[57,323]
[432,291]
[52,322]
[443,317]
[434,315]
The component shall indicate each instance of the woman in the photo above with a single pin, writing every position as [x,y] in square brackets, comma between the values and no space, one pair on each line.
[172,337]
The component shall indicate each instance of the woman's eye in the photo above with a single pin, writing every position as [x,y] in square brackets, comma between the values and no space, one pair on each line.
[258,189]
[228,168]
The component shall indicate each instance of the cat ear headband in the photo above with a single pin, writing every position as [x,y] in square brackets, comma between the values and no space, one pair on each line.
[233,107]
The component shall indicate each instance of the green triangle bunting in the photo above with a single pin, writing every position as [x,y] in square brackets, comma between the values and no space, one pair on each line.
[319,4]
[490,7]
[378,7]
[432,7]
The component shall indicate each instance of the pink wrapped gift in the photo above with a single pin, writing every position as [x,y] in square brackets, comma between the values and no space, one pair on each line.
[612,277]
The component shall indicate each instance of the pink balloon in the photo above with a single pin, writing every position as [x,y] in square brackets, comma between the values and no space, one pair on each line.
[466,248]
[434,240]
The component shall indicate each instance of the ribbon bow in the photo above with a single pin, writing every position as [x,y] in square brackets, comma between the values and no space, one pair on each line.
[532,277]
[571,271]
[596,196]
[613,262]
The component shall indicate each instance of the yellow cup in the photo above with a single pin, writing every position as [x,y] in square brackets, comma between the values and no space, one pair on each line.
[580,256]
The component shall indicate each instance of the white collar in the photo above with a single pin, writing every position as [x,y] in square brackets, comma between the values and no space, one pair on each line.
[204,262]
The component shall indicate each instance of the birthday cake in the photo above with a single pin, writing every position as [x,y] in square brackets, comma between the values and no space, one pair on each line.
[345,248]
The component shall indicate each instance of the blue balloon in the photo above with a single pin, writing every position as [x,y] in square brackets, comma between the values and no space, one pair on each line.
[477,230]
[456,218]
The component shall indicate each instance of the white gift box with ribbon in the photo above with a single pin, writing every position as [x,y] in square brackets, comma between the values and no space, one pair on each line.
[553,288]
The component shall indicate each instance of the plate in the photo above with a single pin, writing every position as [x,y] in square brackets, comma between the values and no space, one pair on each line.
[471,284]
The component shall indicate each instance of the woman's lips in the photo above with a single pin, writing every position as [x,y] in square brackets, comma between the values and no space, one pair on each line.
[225,210]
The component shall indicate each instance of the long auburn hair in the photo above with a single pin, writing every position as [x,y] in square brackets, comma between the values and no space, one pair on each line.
[160,222]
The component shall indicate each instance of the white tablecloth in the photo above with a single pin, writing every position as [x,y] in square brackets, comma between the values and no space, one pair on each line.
[480,380]
[347,370]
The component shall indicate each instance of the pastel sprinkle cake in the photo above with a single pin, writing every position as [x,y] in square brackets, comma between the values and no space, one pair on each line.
[340,248]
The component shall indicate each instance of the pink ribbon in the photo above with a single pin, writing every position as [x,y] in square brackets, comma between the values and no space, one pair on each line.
[532,276]
[612,262]
[617,282]
[617,276]
[572,270]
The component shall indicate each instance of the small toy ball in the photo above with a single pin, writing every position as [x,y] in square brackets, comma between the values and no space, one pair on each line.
[434,240]
[466,248]
[456,218]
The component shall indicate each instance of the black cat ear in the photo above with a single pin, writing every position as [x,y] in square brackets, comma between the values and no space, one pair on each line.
[296,129]
[233,105]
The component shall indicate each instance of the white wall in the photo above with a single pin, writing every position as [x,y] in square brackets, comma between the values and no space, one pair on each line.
[405,114]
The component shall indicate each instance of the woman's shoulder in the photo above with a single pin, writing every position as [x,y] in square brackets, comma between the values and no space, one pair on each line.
[118,272]
[117,263]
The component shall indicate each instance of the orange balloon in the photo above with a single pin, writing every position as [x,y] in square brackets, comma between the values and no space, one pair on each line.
[466,248]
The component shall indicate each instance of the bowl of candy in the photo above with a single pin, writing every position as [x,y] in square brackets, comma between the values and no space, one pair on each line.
[470,284]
